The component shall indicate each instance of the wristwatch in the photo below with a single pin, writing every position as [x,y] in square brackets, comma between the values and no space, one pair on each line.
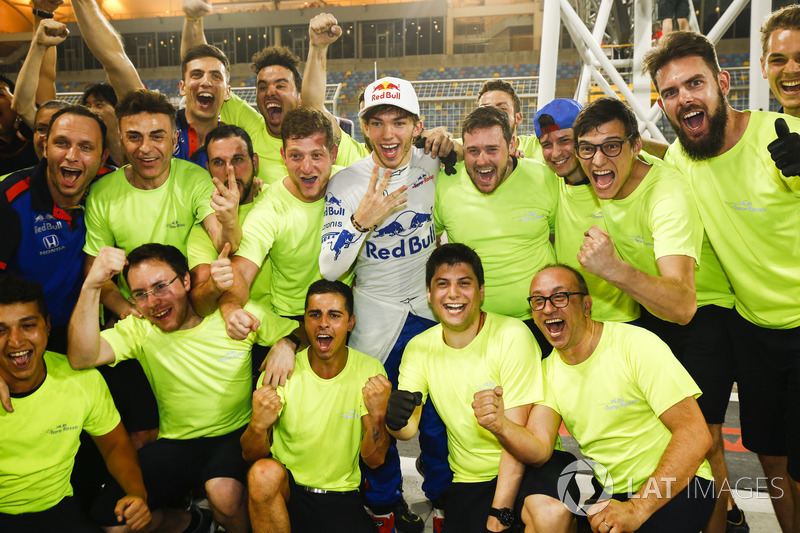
[293,338]
[504,515]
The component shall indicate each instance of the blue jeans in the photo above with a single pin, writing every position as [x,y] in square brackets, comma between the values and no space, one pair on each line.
[384,483]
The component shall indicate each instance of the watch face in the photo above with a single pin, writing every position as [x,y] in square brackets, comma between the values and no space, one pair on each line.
[504,515]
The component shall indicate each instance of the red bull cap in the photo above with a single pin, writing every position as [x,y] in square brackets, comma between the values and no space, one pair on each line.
[391,91]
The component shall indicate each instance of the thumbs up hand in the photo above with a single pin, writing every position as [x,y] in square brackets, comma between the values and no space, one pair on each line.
[222,269]
[785,150]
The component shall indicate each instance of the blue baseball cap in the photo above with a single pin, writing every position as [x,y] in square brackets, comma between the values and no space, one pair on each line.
[557,115]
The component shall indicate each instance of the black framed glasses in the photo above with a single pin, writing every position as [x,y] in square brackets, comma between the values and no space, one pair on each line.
[609,148]
[558,299]
[160,290]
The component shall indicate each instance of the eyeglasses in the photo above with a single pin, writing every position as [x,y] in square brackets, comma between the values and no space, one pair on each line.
[158,291]
[558,299]
[609,148]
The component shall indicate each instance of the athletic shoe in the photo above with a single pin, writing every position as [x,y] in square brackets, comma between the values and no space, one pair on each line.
[204,519]
[384,523]
[736,524]
[405,520]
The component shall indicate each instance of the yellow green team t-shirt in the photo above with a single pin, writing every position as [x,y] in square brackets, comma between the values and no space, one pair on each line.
[531,147]
[751,212]
[660,218]
[200,251]
[509,229]
[41,437]
[201,378]
[289,231]
[120,215]
[271,168]
[318,433]
[504,353]
[578,210]
[611,402]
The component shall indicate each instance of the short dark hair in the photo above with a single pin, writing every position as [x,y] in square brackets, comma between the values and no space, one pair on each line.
[452,254]
[102,90]
[487,117]
[302,122]
[281,56]
[225,131]
[323,286]
[383,108]
[158,252]
[504,86]
[205,50]
[144,101]
[83,111]
[51,104]
[677,45]
[7,81]
[582,287]
[785,18]
[15,289]
[602,111]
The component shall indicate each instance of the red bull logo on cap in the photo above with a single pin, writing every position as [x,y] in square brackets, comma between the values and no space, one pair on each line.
[382,91]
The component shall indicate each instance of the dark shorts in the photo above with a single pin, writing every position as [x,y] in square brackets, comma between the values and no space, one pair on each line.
[689,510]
[768,363]
[333,512]
[173,468]
[64,517]
[466,505]
[704,347]
[673,9]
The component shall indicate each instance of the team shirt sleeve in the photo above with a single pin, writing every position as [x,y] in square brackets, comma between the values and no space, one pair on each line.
[199,248]
[98,231]
[520,367]
[237,111]
[412,372]
[126,338]
[662,379]
[102,416]
[260,229]
[675,221]
[273,327]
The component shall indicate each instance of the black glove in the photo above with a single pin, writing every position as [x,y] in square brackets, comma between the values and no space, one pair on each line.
[785,150]
[401,406]
[449,161]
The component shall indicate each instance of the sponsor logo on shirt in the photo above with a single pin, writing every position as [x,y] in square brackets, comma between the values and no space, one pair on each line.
[338,241]
[350,415]
[746,207]
[46,223]
[599,214]
[421,181]
[410,246]
[640,240]
[233,354]
[61,428]
[533,215]
[333,206]
[618,403]
[175,224]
